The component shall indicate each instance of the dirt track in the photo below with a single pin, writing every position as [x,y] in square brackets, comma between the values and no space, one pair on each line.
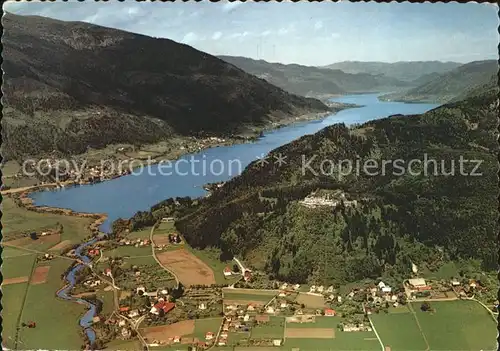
[187,267]
[16,280]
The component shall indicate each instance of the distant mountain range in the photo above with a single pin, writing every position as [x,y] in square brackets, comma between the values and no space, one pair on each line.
[452,85]
[314,81]
[70,85]
[406,71]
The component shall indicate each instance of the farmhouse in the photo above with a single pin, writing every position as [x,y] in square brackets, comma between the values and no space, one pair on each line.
[209,336]
[329,312]
[277,342]
[251,307]
[165,306]
[202,306]
[270,309]
[227,272]
[418,284]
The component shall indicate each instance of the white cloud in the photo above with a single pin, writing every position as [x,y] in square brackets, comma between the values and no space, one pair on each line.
[189,38]
[318,25]
[231,6]
[216,35]
[335,35]
[132,11]
[265,33]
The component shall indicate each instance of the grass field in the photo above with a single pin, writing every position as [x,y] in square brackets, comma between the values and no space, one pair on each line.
[17,219]
[131,251]
[137,261]
[140,234]
[51,314]
[9,252]
[236,296]
[18,266]
[202,326]
[407,337]
[12,301]
[457,325]
[453,326]
[274,329]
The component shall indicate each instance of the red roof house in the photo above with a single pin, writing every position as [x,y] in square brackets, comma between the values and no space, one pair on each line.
[329,312]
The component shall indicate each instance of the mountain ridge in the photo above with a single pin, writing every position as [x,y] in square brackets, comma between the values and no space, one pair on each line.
[403,70]
[313,81]
[451,85]
[120,81]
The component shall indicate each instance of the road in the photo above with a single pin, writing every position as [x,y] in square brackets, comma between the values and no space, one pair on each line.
[157,260]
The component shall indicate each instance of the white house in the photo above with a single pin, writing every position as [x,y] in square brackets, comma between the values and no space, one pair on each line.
[140,288]
[270,309]
[277,342]
[202,306]
[283,304]
[246,318]
[133,313]
[381,285]
[386,289]
[227,272]
[320,289]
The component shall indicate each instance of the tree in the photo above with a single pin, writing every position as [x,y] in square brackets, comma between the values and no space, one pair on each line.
[425,306]
[236,268]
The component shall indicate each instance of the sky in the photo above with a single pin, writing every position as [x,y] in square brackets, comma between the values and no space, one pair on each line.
[306,33]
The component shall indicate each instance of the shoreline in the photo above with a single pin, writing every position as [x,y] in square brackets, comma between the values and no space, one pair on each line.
[250,136]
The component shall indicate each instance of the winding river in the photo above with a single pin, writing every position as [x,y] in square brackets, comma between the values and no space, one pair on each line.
[124,196]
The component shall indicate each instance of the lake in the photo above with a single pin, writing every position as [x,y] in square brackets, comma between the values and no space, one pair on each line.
[124,196]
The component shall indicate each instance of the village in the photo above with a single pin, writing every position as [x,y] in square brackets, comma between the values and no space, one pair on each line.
[225,315]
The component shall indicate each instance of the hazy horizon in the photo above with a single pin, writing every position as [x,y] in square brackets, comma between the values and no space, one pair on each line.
[309,34]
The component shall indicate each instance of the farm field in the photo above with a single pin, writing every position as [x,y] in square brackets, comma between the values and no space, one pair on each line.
[9,252]
[408,336]
[299,336]
[189,269]
[140,234]
[211,258]
[131,251]
[246,296]
[310,301]
[274,329]
[202,326]
[18,266]
[137,261]
[453,325]
[43,314]
[12,302]
[457,325]
[17,219]
[163,332]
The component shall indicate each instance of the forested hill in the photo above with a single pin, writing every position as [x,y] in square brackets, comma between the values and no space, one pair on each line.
[451,85]
[314,81]
[69,85]
[407,71]
[423,218]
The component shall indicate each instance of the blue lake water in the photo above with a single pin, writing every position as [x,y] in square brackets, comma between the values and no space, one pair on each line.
[124,196]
